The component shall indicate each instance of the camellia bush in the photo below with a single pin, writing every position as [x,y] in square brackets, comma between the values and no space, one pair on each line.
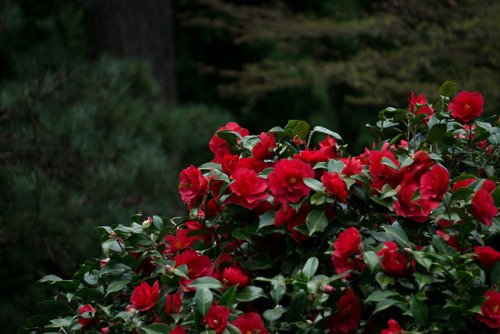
[283,237]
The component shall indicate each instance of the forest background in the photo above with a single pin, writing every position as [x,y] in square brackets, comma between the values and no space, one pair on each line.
[102,103]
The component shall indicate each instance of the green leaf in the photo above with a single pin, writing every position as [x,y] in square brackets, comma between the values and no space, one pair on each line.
[206,283]
[335,166]
[230,137]
[474,304]
[310,268]
[259,261]
[384,280]
[157,329]
[49,279]
[447,88]
[278,288]
[231,329]
[204,299]
[379,295]
[301,129]
[313,184]
[316,221]
[422,260]
[327,132]
[274,314]
[388,162]
[38,321]
[296,311]
[419,311]
[210,165]
[319,199]
[267,219]
[437,133]
[386,303]
[388,191]
[397,232]
[116,286]
[371,260]
[249,293]
[228,298]
[157,222]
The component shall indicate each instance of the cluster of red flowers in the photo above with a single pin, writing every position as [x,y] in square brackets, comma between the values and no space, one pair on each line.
[303,191]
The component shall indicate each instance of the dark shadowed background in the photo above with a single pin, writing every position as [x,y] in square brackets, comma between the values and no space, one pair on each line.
[102,103]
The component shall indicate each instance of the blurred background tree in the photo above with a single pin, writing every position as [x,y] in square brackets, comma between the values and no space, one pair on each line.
[99,100]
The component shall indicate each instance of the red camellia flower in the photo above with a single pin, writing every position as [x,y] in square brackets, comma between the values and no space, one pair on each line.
[352,166]
[180,241]
[483,207]
[193,185]
[418,210]
[250,323]
[234,276]
[86,322]
[434,184]
[219,146]
[348,316]
[348,243]
[381,172]
[263,149]
[466,106]
[393,262]
[178,330]
[394,328]
[490,311]
[419,105]
[173,303]
[344,264]
[487,256]
[198,266]
[248,189]
[145,296]
[216,318]
[335,186]
[286,181]
[462,184]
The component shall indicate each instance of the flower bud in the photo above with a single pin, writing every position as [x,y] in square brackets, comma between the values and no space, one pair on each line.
[112,235]
[167,269]
[146,223]
[328,289]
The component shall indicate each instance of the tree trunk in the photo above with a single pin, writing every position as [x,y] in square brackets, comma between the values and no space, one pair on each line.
[136,28]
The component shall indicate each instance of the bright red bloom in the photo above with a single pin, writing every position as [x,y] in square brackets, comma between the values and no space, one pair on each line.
[173,303]
[434,184]
[348,316]
[264,148]
[286,181]
[487,256]
[178,330]
[284,215]
[348,243]
[145,296]
[352,166]
[489,185]
[193,185]
[250,323]
[234,276]
[419,105]
[394,328]
[329,147]
[419,209]
[312,157]
[421,164]
[490,309]
[216,318]
[219,146]
[462,184]
[381,172]
[178,242]
[194,226]
[483,207]
[229,163]
[344,264]
[253,164]
[393,262]
[335,186]
[198,266]
[466,106]
[86,322]
[248,189]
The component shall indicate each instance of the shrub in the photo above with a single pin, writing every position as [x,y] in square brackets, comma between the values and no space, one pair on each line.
[281,237]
